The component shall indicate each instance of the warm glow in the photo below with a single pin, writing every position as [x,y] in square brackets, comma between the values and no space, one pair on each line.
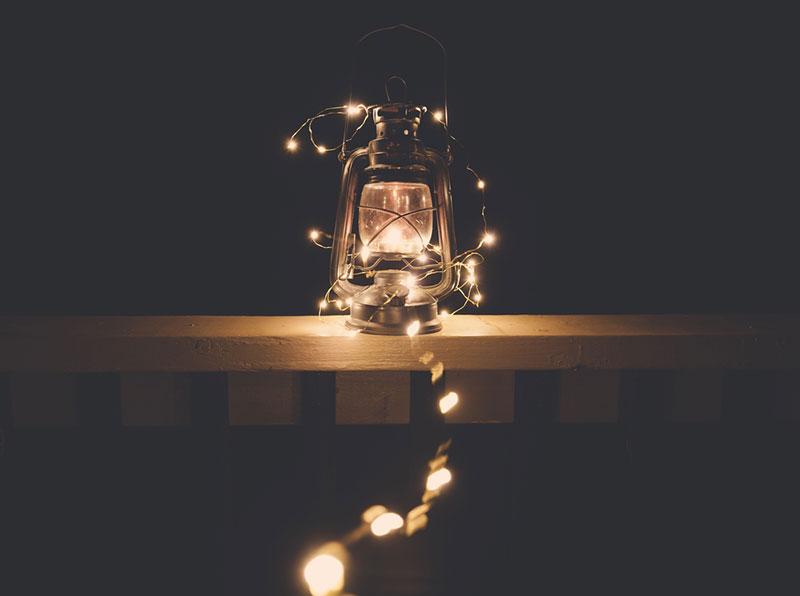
[422,258]
[365,253]
[481,184]
[448,402]
[444,313]
[321,148]
[478,297]
[314,235]
[291,145]
[339,304]
[438,479]
[471,264]
[438,115]
[412,329]
[489,239]
[396,218]
[353,110]
[349,302]
[471,278]
[323,304]
[386,523]
[324,575]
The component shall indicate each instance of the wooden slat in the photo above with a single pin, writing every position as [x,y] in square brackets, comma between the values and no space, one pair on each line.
[589,396]
[697,396]
[381,397]
[468,342]
[155,399]
[262,399]
[43,399]
[484,396]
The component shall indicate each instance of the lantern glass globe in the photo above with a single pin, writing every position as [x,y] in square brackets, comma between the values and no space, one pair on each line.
[395,219]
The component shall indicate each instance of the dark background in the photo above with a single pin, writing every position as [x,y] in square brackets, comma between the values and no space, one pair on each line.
[637,160]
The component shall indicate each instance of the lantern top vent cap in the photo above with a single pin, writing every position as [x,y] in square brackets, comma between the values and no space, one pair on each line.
[395,111]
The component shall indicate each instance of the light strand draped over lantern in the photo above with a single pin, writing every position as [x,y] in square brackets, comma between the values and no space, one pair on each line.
[400,188]
[395,199]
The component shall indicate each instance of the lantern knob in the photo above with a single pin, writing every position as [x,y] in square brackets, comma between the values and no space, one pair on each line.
[396,120]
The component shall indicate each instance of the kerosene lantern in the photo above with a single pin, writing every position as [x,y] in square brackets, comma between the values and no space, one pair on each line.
[398,192]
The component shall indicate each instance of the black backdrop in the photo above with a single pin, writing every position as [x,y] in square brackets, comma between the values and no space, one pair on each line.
[637,160]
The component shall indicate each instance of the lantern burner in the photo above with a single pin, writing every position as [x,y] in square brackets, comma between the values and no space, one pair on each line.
[392,303]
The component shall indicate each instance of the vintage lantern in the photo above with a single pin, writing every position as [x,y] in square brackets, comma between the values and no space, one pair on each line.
[398,190]
[393,252]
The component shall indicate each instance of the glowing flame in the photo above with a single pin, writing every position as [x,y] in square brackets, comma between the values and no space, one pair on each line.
[438,479]
[412,329]
[386,523]
[448,402]
[324,575]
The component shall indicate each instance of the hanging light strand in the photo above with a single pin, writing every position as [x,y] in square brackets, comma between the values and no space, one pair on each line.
[429,262]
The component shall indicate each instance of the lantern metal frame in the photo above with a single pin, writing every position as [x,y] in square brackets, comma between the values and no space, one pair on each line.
[394,300]
[393,316]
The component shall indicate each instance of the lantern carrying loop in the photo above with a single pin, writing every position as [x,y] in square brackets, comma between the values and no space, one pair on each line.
[343,154]
[402,81]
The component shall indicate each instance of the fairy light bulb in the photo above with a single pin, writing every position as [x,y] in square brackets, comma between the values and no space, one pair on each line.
[412,329]
[489,239]
[438,479]
[386,523]
[444,313]
[481,184]
[292,145]
[314,235]
[353,110]
[365,253]
[321,148]
[448,402]
[478,297]
[323,304]
[324,575]
[339,304]
[438,115]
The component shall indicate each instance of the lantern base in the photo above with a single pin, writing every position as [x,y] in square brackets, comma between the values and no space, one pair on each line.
[394,319]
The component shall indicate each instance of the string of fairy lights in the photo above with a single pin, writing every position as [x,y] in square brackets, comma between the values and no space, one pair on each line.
[428,263]
[325,570]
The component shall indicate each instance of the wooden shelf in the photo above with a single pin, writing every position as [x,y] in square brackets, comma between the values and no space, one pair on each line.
[468,342]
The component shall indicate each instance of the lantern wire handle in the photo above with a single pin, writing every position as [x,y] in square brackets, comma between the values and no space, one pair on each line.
[343,152]
[402,82]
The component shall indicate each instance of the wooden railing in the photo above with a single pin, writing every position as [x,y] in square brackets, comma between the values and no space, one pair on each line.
[206,455]
[559,368]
